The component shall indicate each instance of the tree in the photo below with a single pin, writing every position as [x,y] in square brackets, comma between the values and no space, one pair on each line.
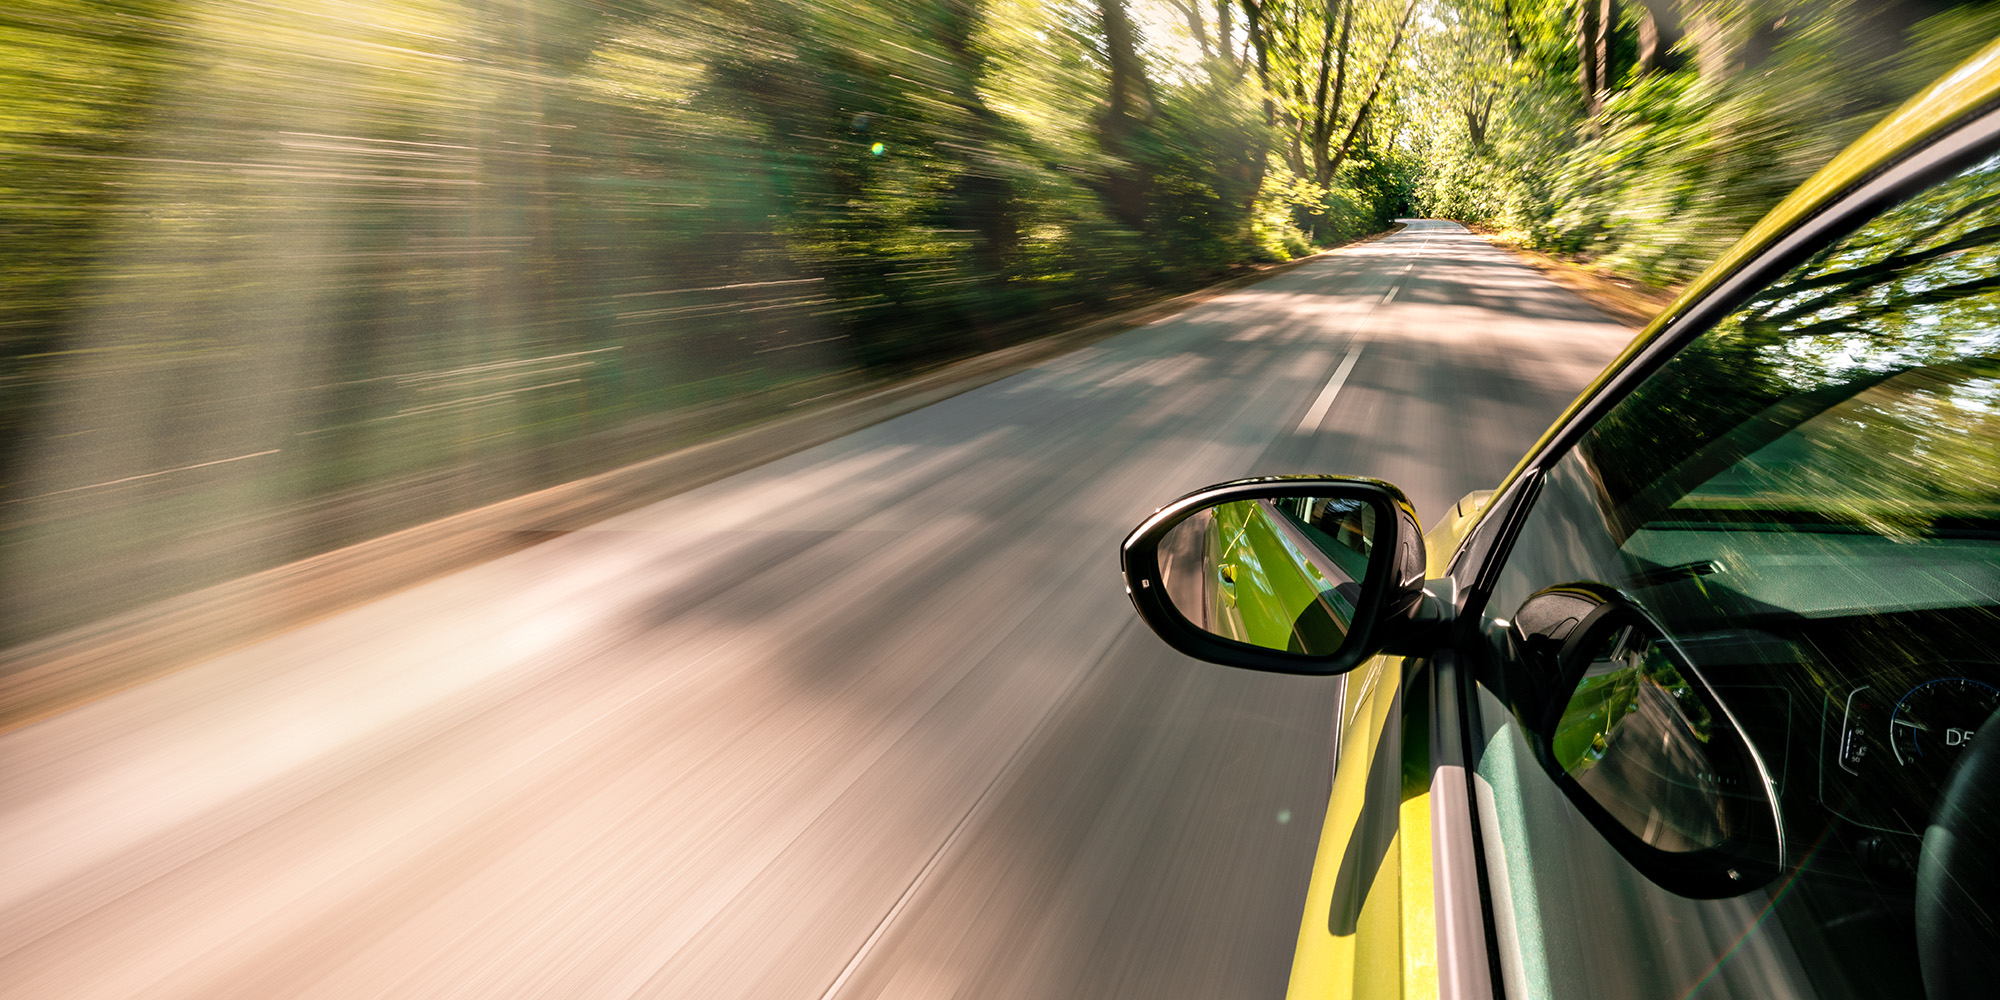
[1368,103]
[1659,33]
[1326,108]
[1127,113]
[1596,24]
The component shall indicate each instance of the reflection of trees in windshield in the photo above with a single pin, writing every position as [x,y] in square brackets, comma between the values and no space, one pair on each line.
[1908,456]
[1918,286]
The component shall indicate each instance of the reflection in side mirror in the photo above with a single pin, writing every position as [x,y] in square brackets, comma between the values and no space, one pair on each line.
[1639,742]
[1298,574]
[1281,574]
[1637,739]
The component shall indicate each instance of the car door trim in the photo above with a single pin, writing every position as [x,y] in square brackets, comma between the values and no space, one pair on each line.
[1468,964]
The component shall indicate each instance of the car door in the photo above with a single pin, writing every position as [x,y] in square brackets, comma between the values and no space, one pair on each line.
[1798,489]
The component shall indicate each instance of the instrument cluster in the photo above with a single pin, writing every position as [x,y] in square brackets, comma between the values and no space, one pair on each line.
[1891,741]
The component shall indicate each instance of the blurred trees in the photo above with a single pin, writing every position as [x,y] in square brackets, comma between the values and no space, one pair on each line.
[1649,135]
[1338,171]
[77,81]
[275,278]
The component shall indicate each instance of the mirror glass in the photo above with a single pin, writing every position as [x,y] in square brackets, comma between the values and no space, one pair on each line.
[1281,573]
[1639,737]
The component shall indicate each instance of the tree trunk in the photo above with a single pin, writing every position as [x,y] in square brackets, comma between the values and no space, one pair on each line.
[1130,106]
[1260,42]
[1659,32]
[1295,127]
[1586,55]
[1131,95]
[981,199]
[1724,47]
[1596,33]
[1253,32]
[1326,108]
[1225,31]
[1607,34]
[1191,10]
[1477,115]
[1368,103]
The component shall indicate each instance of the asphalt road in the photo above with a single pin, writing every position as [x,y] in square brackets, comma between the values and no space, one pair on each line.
[874,720]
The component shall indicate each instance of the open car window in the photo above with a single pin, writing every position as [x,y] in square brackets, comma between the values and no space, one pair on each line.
[1807,499]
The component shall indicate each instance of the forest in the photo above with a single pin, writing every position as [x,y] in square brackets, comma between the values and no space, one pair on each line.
[278,277]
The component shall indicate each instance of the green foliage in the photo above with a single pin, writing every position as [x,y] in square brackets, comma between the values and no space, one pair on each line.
[282,277]
[1275,226]
[1905,304]
[1681,160]
[76,82]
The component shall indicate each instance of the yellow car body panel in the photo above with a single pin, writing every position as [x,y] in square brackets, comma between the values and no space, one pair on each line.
[1392,952]
[1444,538]
[1388,952]
[1391,949]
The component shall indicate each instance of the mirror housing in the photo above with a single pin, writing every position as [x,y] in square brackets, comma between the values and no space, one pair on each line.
[1637,739]
[1299,583]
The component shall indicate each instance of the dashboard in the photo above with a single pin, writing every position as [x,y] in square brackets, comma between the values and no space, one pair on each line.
[1859,720]
[1889,742]
[1860,688]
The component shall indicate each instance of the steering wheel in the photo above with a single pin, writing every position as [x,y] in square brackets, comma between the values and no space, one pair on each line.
[1958,877]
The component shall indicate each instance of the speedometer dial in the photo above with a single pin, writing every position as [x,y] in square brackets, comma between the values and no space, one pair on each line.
[1934,721]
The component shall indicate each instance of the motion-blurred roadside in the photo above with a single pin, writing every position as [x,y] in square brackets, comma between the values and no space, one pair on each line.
[283,277]
[275,279]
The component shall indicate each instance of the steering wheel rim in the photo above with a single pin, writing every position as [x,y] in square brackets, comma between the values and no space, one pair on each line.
[1958,877]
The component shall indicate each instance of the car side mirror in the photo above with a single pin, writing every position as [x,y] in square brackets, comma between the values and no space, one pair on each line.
[1637,739]
[1292,574]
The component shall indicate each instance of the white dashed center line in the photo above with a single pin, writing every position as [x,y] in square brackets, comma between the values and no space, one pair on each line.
[1317,412]
[1325,400]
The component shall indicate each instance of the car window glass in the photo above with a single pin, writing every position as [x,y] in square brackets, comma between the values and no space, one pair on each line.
[1807,499]
[1637,742]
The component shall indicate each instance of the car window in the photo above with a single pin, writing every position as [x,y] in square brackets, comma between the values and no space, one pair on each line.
[1807,499]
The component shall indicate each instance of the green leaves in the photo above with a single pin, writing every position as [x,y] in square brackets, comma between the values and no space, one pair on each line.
[1687,152]
[413,256]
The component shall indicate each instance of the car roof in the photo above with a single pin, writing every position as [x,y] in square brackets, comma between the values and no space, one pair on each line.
[1974,84]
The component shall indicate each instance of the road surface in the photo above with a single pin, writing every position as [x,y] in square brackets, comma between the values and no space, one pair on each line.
[874,720]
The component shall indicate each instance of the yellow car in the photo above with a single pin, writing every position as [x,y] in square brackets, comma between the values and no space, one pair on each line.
[1702,699]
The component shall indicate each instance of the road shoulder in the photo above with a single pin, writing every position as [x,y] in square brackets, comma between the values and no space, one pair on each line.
[1629,302]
